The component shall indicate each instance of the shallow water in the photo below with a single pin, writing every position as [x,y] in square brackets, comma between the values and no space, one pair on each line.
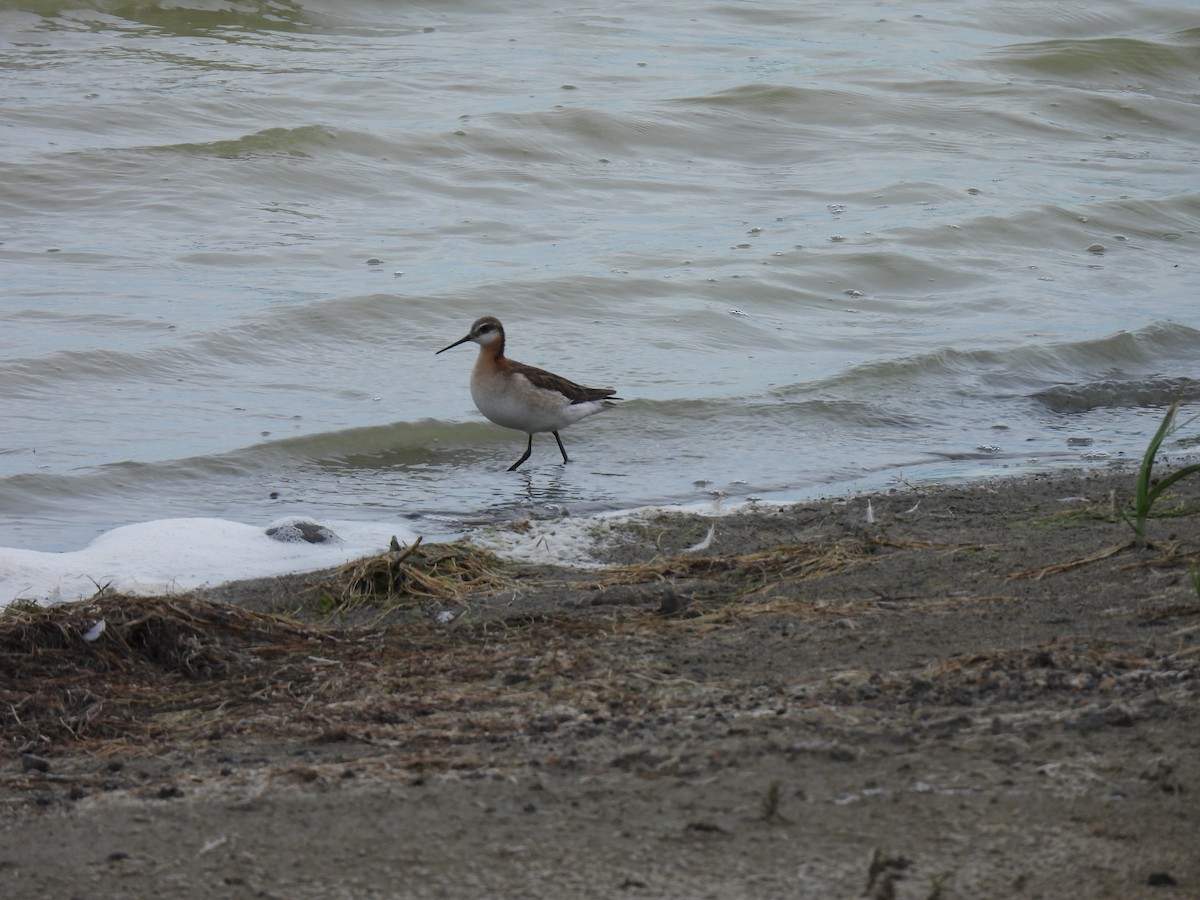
[817,248]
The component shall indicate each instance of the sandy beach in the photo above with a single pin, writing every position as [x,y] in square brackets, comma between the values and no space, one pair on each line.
[975,691]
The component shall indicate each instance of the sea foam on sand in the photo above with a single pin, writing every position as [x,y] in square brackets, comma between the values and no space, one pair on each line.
[172,555]
[175,555]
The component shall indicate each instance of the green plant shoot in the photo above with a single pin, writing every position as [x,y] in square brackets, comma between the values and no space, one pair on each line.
[1147,493]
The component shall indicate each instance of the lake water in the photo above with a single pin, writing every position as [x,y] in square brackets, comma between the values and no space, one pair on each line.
[818,248]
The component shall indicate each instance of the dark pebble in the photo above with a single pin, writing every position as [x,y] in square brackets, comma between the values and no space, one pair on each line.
[33,762]
[302,532]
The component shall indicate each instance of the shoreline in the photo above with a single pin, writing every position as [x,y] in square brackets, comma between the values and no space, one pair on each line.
[985,691]
[197,547]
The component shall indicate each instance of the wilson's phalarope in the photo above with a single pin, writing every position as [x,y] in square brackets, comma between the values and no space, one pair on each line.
[523,398]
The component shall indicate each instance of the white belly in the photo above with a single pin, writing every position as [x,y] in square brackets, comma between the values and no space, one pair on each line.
[510,400]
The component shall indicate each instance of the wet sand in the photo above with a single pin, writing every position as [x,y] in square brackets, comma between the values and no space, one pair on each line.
[976,691]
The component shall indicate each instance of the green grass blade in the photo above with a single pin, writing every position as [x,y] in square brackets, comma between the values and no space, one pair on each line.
[1143,498]
[1166,483]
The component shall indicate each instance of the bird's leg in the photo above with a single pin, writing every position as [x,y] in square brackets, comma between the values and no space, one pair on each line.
[561,447]
[528,450]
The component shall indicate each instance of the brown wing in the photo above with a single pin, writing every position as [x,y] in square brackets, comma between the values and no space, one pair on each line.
[576,393]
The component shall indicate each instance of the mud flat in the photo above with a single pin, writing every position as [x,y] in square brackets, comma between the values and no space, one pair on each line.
[969,692]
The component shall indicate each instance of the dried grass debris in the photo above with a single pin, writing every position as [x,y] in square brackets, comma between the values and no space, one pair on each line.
[403,576]
[56,683]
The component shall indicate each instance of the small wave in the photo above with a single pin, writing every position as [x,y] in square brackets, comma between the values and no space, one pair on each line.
[1075,398]
[181,19]
[823,110]
[302,142]
[1104,58]
[762,96]
[1160,346]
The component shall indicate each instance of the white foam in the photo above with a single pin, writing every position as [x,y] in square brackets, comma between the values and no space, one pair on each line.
[175,555]
[172,555]
[565,542]
[581,541]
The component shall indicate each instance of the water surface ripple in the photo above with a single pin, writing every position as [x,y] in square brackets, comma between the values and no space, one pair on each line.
[819,247]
